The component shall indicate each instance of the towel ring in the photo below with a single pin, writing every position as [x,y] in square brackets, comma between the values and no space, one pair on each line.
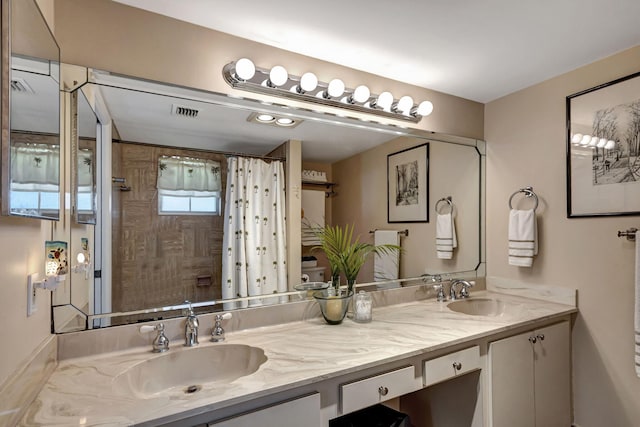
[528,192]
[447,200]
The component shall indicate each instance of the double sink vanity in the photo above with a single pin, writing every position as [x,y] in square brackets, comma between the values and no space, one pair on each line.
[482,353]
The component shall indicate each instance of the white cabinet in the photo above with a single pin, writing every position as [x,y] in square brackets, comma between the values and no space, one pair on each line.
[451,365]
[370,391]
[303,411]
[530,378]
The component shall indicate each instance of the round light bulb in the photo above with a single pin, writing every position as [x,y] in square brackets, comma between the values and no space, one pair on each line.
[594,141]
[576,138]
[278,75]
[285,121]
[265,118]
[384,101]
[336,88]
[245,69]
[308,82]
[585,140]
[610,145]
[404,104]
[602,142]
[425,108]
[361,94]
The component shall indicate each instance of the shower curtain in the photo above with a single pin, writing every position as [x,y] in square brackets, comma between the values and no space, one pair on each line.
[254,249]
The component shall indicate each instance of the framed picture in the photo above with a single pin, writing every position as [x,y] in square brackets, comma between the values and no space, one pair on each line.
[408,185]
[603,149]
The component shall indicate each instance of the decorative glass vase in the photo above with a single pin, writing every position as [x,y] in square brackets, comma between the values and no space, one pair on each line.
[333,305]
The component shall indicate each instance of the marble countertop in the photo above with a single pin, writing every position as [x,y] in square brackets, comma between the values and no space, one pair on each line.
[83,391]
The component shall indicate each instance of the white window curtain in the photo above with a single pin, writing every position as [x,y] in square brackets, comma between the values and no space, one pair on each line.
[85,170]
[186,174]
[254,249]
[35,167]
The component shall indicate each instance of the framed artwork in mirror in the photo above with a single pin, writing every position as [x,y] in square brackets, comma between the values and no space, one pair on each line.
[408,185]
[603,149]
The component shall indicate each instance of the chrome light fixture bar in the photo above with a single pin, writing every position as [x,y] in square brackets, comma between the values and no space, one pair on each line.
[243,74]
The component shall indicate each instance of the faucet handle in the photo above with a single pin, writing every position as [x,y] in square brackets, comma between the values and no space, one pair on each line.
[217,333]
[440,296]
[160,342]
[464,292]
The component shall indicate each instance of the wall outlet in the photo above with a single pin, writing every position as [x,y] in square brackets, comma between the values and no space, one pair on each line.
[31,294]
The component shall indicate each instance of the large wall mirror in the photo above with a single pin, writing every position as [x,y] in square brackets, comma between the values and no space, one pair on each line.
[31,152]
[158,242]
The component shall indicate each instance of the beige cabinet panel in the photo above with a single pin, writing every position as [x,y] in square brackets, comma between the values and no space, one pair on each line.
[511,370]
[530,378]
[304,411]
[553,376]
[370,391]
[451,365]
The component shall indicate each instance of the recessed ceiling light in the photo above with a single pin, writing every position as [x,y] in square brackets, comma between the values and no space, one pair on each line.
[265,118]
[285,121]
[274,120]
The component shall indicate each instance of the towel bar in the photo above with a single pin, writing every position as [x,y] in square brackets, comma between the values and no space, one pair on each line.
[630,234]
[405,233]
[447,200]
[528,192]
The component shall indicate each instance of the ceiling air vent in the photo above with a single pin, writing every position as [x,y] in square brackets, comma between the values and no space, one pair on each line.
[182,111]
[21,86]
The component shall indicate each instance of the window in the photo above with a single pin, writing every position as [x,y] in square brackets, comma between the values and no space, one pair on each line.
[188,186]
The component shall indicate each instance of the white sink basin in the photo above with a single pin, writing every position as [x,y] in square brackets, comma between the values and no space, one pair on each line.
[481,307]
[187,370]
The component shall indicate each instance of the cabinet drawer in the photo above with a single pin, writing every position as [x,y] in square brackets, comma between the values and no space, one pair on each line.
[451,365]
[373,390]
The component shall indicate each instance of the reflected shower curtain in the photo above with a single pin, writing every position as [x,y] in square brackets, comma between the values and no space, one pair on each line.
[254,250]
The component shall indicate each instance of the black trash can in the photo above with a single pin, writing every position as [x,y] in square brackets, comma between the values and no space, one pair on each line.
[374,416]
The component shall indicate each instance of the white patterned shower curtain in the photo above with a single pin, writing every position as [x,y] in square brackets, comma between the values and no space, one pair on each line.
[254,249]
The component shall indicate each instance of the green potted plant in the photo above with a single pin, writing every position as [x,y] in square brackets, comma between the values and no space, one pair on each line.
[346,253]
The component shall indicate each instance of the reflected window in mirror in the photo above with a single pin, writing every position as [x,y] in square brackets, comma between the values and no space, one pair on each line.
[31,166]
[188,185]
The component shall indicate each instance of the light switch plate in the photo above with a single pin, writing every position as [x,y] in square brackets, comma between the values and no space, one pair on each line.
[31,294]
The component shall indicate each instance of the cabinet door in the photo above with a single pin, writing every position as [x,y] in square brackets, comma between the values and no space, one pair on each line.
[304,411]
[511,382]
[553,376]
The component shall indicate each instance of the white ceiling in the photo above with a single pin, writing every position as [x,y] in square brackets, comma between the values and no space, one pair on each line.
[476,49]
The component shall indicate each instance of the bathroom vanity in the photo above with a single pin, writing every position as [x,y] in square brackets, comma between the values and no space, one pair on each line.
[422,356]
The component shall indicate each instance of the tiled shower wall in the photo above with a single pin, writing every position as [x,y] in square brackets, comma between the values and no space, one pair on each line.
[158,258]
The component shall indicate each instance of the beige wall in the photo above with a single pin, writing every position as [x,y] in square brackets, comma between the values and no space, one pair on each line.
[525,134]
[362,201]
[110,36]
[22,253]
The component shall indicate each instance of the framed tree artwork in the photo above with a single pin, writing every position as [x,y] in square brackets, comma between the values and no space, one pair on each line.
[603,149]
[408,185]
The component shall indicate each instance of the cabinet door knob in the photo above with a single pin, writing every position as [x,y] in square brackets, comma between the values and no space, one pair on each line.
[540,337]
[383,390]
[457,366]
[533,340]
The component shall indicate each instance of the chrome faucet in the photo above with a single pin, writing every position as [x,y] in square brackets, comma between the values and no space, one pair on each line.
[191,328]
[217,333]
[464,289]
[160,343]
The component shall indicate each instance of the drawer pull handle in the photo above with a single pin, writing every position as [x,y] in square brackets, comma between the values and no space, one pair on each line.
[383,391]
[540,337]
[533,340]
[457,366]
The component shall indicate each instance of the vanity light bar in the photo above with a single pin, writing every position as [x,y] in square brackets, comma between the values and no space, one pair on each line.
[243,74]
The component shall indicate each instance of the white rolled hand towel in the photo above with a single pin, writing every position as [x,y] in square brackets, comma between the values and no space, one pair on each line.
[446,239]
[523,237]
